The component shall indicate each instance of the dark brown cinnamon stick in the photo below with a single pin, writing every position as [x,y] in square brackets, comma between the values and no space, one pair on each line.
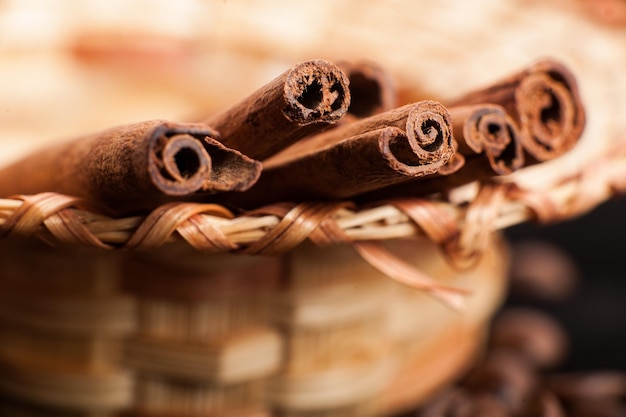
[425,123]
[543,99]
[302,101]
[486,129]
[148,161]
[488,145]
[371,89]
[382,155]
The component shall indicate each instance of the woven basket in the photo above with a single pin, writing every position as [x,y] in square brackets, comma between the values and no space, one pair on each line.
[175,332]
[316,331]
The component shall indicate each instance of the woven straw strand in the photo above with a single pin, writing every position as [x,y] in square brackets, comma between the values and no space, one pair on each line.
[461,229]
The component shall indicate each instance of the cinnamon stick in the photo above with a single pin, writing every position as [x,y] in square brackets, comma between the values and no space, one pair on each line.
[488,144]
[304,100]
[426,124]
[486,129]
[543,99]
[371,89]
[152,161]
[381,155]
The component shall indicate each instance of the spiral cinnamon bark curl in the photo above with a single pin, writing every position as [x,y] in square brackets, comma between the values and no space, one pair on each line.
[544,100]
[303,101]
[409,142]
[134,166]
[487,129]
[551,114]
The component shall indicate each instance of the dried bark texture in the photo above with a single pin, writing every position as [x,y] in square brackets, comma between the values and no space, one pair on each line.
[464,171]
[426,124]
[144,162]
[403,144]
[486,129]
[371,89]
[543,99]
[302,101]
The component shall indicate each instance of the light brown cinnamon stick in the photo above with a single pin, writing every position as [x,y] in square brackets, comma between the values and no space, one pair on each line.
[371,89]
[543,99]
[381,155]
[145,162]
[302,101]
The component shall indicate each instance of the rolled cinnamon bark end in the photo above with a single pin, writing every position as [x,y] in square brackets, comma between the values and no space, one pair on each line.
[551,113]
[429,130]
[371,88]
[139,164]
[487,129]
[362,163]
[383,155]
[544,101]
[316,92]
[164,159]
[181,164]
[302,101]
[397,117]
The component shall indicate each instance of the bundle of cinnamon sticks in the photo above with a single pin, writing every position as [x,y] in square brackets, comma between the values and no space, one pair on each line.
[319,131]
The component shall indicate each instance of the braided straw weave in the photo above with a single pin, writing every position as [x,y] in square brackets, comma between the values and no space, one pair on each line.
[83,336]
[461,225]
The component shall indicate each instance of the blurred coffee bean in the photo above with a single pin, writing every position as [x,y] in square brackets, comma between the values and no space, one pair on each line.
[507,375]
[597,408]
[542,270]
[532,333]
[544,404]
[455,402]
[588,386]
[487,406]
[524,343]
[458,402]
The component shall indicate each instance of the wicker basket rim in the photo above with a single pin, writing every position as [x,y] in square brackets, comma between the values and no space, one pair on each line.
[460,223]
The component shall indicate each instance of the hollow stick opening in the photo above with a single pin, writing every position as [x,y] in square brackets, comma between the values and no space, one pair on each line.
[366,161]
[488,130]
[303,101]
[371,89]
[543,100]
[141,164]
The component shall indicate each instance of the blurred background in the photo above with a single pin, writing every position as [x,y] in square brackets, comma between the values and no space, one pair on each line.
[75,66]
